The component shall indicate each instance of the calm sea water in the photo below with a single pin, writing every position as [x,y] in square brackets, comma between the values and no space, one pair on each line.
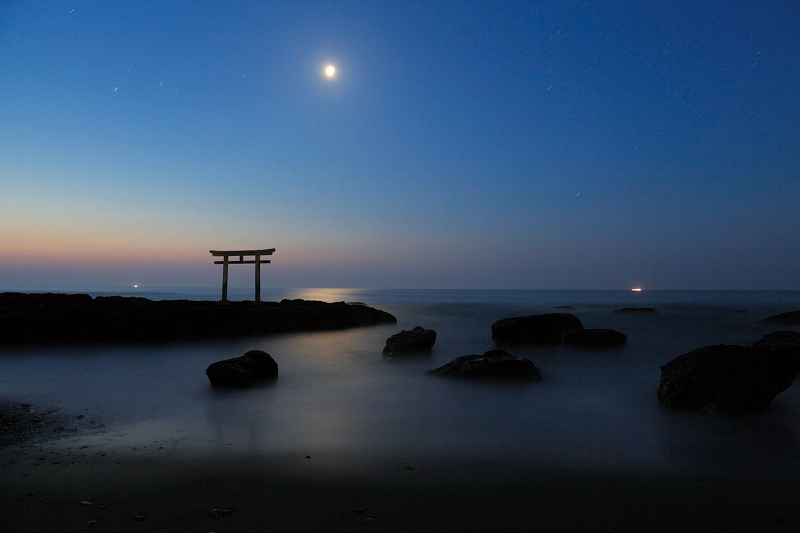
[336,394]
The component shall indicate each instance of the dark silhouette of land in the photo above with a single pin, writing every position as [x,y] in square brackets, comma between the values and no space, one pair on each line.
[67,318]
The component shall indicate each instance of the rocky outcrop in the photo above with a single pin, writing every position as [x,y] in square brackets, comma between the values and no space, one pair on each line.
[417,340]
[254,367]
[792,317]
[64,318]
[595,338]
[632,310]
[782,340]
[731,379]
[548,328]
[492,365]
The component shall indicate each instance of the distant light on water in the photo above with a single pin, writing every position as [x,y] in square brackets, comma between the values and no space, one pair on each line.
[636,289]
[135,285]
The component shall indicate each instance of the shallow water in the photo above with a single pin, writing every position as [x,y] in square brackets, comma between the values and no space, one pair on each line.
[337,394]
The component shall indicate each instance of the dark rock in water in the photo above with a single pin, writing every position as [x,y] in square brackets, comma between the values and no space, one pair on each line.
[63,318]
[253,367]
[595,338]
[494,364]
[418,339]
[549,328]
[792,317]
[730,379]
[636,310]
[789,340]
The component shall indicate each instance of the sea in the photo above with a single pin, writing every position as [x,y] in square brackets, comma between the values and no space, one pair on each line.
[338,396]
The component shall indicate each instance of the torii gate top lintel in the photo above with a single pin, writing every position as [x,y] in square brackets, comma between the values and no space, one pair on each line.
[220,253]
[242,254]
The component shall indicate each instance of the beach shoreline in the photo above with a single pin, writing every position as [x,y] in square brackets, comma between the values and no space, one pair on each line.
[346,440]
[61,485]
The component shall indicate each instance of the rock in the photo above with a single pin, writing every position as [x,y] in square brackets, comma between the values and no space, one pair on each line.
[636,310]
[253,367]
[792,317]
[595,338]
[780,340]
[549,328]
[726,378]
[418,339]
[67,318]
[494,364]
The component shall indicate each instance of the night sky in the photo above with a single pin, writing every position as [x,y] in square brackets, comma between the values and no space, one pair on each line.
[529,145]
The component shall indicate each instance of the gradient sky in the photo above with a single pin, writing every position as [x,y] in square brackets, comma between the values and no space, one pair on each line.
[532,145]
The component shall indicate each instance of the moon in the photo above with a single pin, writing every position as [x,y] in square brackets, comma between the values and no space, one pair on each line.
[330,71]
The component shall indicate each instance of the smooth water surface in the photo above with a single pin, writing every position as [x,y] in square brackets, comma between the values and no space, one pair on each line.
[337,393]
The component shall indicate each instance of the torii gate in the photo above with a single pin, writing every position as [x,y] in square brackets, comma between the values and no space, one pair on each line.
[242,254]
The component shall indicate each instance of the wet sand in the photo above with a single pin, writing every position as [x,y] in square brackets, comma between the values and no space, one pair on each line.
[64,486]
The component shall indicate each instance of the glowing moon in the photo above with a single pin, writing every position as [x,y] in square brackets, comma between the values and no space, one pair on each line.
[330,71]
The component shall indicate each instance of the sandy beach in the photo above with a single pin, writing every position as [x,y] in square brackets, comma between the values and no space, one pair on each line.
[64,486]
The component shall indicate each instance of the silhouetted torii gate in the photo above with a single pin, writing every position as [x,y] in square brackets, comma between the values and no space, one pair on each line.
[242,254]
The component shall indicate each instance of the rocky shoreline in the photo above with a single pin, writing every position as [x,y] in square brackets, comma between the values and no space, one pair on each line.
[23,423]
[68,318]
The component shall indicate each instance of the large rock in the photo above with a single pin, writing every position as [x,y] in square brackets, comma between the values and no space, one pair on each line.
[494,364]
[66,318]
[549,328]
[731,379]
[415,340]
[252,368]
[789,340]
[595,338]
[792,317]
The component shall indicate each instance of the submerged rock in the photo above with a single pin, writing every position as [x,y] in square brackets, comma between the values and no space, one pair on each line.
[548,328]
[728,378]
[631,310]
[417,340]
[596,338]
[254,367]
[494,364]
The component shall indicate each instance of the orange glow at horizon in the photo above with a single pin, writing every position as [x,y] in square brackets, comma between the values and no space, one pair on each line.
[59,251]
